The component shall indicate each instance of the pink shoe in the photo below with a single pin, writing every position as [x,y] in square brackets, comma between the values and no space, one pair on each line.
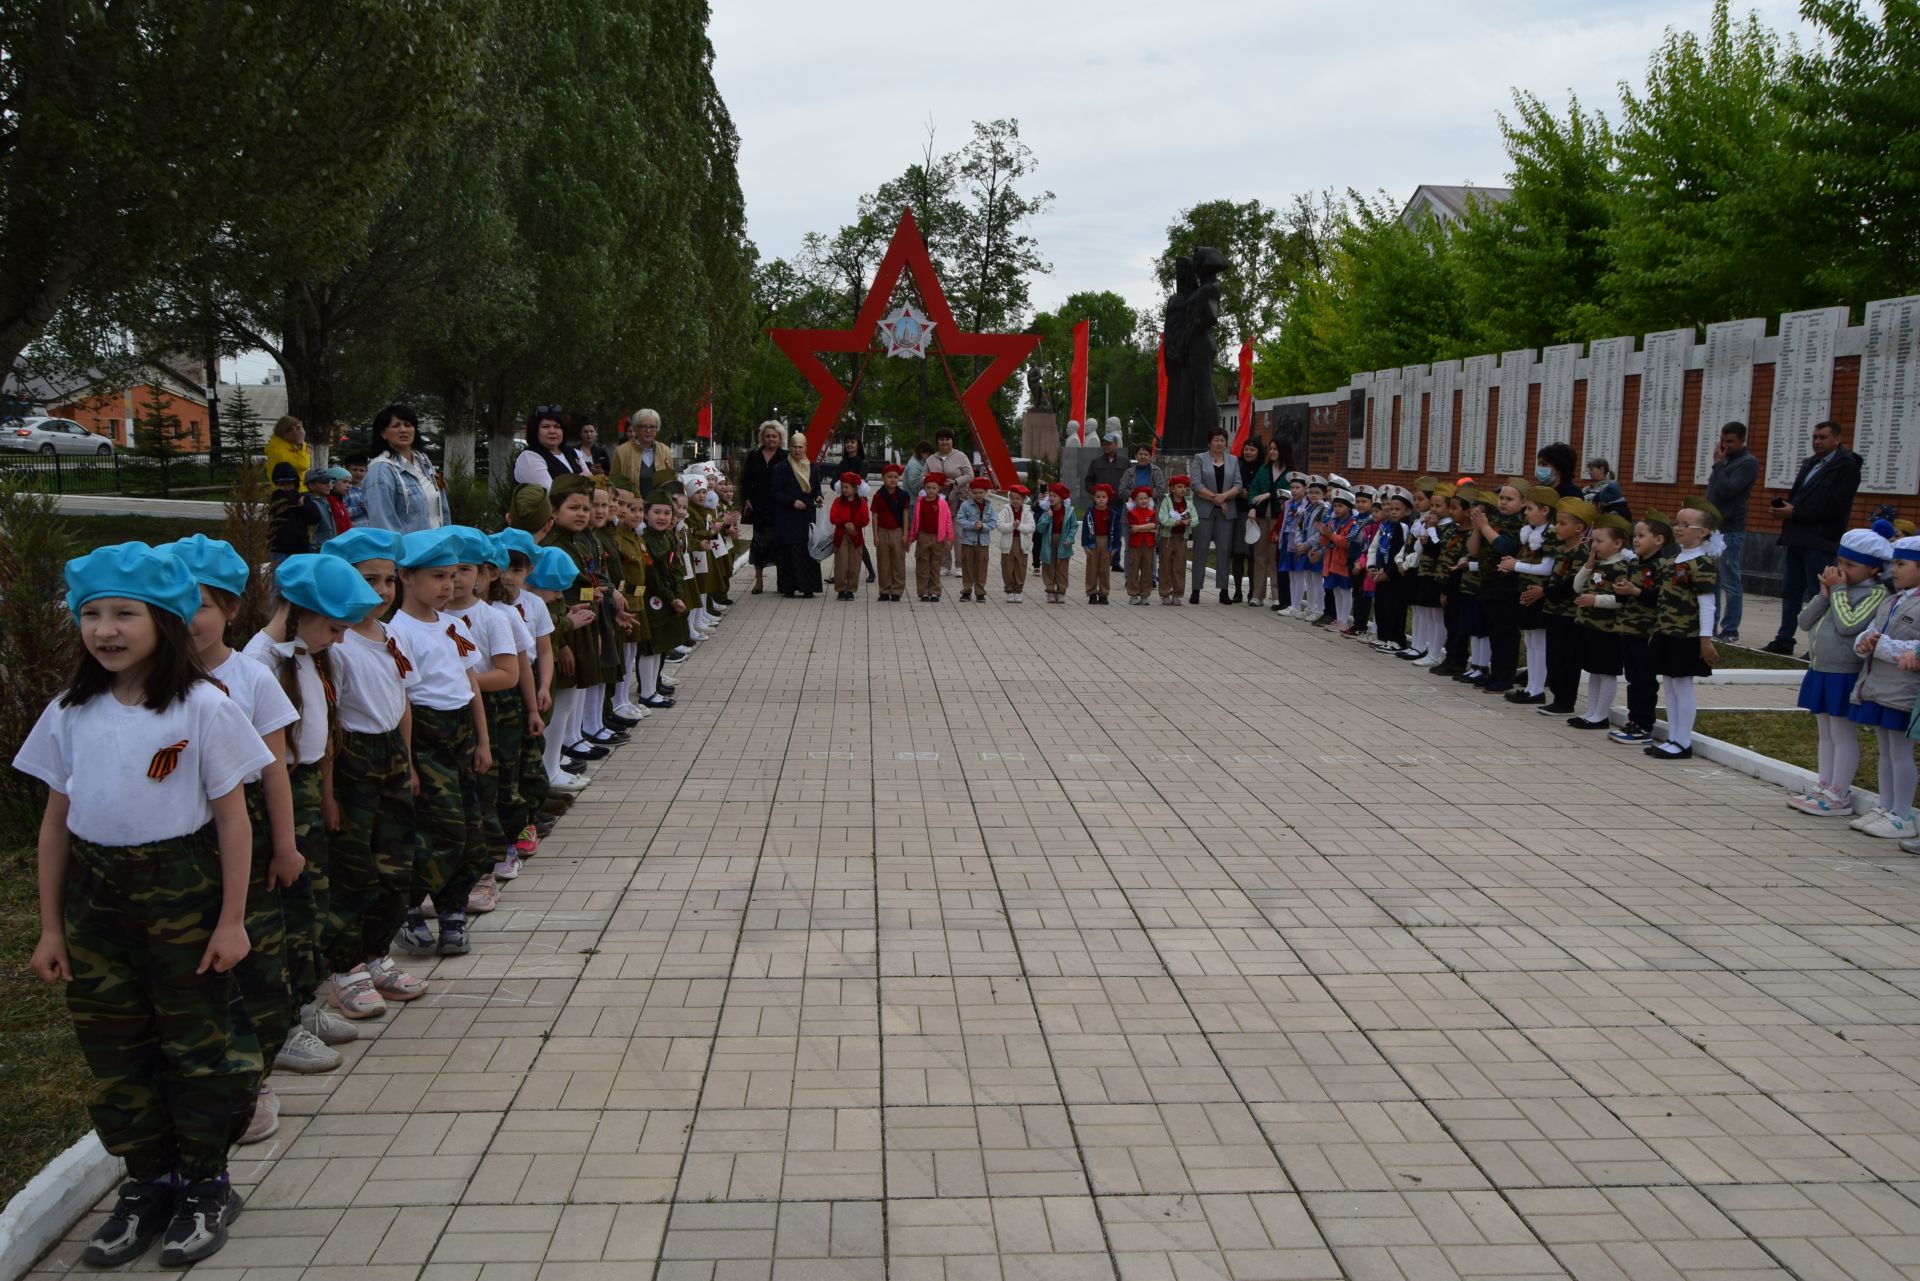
[527,842]
[265,1119]
[355,997]
[484,897]
[395,983]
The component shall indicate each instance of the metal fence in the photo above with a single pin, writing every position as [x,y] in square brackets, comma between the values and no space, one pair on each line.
[116,473]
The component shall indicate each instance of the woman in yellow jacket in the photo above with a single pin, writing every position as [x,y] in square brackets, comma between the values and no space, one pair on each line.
[288,444]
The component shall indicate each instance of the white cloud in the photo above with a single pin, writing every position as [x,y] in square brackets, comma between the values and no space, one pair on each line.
[1136,110]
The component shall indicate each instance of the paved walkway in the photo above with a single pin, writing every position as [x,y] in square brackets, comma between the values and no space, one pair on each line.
[916,943]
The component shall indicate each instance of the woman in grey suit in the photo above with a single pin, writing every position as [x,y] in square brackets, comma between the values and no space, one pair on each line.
[1217,483]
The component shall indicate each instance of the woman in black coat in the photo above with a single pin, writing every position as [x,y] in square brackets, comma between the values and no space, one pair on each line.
[756,473]
[795,492]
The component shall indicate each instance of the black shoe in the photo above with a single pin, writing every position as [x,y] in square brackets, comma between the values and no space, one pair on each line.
[1668,752]
[1194,599]
[201,1214]
[1487,687]
[1777,646]
[1581,722]
[1226,598]
[808,595]
[453,938]
[870,577]
[573,767]
[590,753]
[1324,619]
[544,825]
[620,723]
[1445,669]
[1278,609]
[608,738]
[1413,655]
[1555,709]
[1521,696]
[656,702]
[141,1214]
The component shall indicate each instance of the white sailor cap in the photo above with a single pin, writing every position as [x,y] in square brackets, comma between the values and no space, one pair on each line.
[1338,481]
[1317,480]
[1907,549]
[1866,546]
[1342,496]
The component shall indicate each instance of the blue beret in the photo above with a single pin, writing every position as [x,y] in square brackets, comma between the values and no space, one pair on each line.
[210,561]
[137,572]
[364,543]
[475,547]
[553,570]
[515,540]
[325,585]
[430,548]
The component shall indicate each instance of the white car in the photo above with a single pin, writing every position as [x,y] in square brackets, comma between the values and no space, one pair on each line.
[52,436]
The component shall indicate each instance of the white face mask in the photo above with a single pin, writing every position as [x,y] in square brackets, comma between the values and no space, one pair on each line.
[1044,501]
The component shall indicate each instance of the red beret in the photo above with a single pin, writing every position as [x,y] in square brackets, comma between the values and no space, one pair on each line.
[980,482]
[1059,490]
[1143,489]
[892,469]
[1181,480]
[850,478]
[1103,488]
[1021,490]
[934,478]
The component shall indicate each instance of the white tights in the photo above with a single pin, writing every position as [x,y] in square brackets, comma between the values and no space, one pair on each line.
[1683,704]
[628,650]
[1430,628]
[1479,652]
[647,672]
[1316,594]
[1897,772]
[1343,605]
[1839,752]
[564,731]
[1600,692]
[1536,639]
[592,702]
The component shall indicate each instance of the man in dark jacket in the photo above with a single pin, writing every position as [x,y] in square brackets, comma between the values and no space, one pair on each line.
[1813,516]
[1109,468]
[1735,470]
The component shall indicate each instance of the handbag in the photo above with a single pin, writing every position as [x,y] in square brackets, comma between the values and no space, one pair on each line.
[1253,530]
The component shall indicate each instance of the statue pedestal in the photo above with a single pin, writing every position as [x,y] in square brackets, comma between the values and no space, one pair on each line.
[1073,470]
[1040,436]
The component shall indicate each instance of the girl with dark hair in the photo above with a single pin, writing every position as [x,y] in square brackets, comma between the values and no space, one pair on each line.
[1240,559]
[404,493]
[1555,465]
[143,855]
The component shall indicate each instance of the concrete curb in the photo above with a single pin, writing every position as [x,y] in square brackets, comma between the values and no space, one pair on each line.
[1754,676]
[58,1197]
[118,505]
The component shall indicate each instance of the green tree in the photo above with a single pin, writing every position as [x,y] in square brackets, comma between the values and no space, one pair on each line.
[132,131]
[1121,358]
[1853,112]
[1270,254]
[240,429]
[160,438]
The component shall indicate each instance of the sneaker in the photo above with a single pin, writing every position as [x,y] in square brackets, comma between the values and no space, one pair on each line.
[1728,638]
[1429,661]
[354,995]
[1778,647]
[507,868]
[543,825]
[395,983]
[416,935]
[325,1024]
[1630,733]
[527,842]
[1860,824]
[453,938]
[200,1219]
[482,898]
[569,783]
[141,1214]
[1890,826]
[1911,845]
[265,1121]
[304,1053]
[1824,802]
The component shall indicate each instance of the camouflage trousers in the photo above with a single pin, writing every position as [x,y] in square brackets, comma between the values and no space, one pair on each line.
[531,789]
[446,814]
[174,1069]
[499,787]
[372,853]
[307,902]
[262,997]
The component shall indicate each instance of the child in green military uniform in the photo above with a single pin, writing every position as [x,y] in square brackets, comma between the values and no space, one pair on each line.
[1652,543]
[1600,588]
[631,558]
[664,600]
[1573,517]
[1498,530]
[579,646]
[144,853]
[1681,648]
[600,727]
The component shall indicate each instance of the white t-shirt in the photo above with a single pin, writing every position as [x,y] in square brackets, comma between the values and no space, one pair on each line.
[533,612]
[257,693]
[489,632]
[516,627]
[373,694]
[443,685]
[310,735]
[132,776]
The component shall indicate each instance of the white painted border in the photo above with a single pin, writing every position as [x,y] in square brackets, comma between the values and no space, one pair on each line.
[58,1197]
[1754,676]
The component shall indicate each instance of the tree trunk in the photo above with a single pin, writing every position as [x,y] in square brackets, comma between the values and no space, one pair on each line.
[457,454]
[500,449]
[307,360]
[25,314]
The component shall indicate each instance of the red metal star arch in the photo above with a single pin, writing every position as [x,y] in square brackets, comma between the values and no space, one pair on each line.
[908,252]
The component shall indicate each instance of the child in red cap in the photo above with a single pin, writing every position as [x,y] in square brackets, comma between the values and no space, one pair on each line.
[849,517]
[930,530]
[1100,536]
[1056,530]
[1176,519]
[1014,538]
[1142,522]
[891,510]
[975,522]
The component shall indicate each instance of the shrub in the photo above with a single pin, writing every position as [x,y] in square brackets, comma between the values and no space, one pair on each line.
[249,526]
[39,644]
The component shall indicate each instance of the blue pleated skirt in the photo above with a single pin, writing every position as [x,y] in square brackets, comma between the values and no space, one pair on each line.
[1828,693]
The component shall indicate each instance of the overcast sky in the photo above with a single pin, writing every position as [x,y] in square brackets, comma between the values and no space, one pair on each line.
[1137,110]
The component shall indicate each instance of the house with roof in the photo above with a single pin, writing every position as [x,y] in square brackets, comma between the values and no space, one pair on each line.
[110,406]
[1448,205]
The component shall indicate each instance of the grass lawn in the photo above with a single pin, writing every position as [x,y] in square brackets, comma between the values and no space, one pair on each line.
[1739,656]
[42,1076]
[1787,736]
[90,532]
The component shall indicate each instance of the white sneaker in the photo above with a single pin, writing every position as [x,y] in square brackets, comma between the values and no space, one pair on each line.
[305,1054]
[1431,660]
[1891,826]
[569,783]
[1824,802]
[266,1117]
[325,1024]
[1860,824]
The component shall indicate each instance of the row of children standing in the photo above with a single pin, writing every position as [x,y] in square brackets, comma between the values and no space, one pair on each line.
[235,843]
[1016,528]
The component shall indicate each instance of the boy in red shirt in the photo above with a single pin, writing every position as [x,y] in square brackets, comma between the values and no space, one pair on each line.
[930,530]
[1142,524]
[890,511]
[849,517]
[1100,537]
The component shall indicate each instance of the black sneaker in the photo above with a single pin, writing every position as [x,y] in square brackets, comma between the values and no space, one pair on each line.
[1630,733]
[200,1219]
[141,1214]
[1778,647]
[453,938]
[545,825]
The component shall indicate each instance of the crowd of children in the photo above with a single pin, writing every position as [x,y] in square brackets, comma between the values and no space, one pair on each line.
[236,842]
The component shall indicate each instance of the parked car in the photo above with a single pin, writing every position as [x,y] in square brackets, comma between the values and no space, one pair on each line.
[52,436]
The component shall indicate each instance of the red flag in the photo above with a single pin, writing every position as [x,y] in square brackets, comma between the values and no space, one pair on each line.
[704,427]
[1246,396]
[1078,379]
[1160,411]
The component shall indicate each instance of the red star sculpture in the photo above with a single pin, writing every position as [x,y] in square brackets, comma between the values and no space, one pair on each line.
[909,252]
